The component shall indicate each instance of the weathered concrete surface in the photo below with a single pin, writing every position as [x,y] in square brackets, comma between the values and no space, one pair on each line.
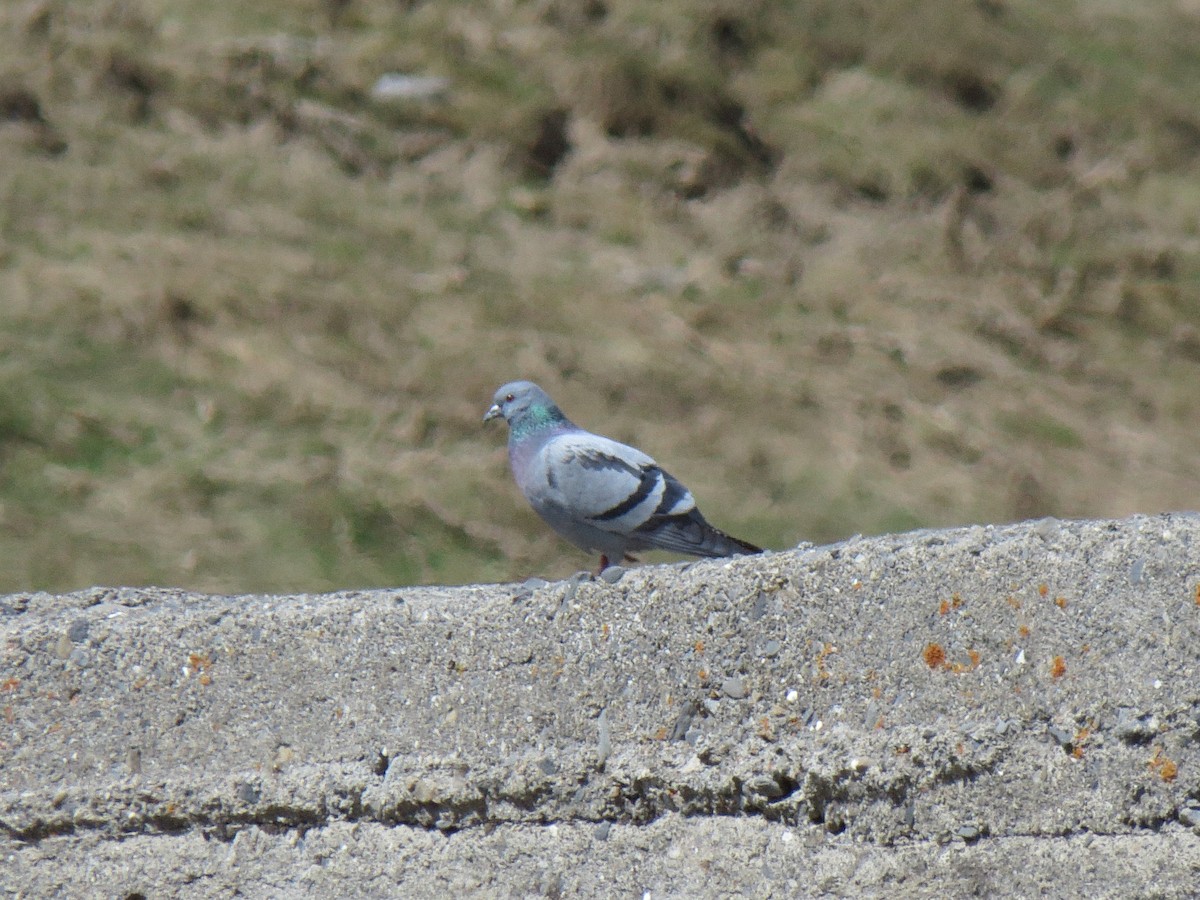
[1008,711]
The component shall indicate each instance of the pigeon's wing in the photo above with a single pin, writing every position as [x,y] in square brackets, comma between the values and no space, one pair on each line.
[586,486]
[608,485]
[603,484]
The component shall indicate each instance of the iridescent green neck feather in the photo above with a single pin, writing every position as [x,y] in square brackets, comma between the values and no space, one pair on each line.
[539,417]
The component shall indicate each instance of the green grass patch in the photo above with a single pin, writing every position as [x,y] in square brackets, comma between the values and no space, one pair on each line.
[1040,429]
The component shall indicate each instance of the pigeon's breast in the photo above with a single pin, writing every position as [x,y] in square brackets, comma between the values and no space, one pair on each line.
[527,458]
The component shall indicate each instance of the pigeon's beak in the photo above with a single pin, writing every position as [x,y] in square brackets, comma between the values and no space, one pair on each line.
[493,413]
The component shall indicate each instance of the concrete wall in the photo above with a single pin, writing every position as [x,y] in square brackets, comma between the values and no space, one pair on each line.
[994,711]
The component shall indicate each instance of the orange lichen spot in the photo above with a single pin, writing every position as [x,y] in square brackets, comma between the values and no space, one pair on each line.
[935,656]
[605,631]
[1080,739]
[876,692]
[8,685]
[857,585]
[954,602]
[9,715]
[1043,589]
[702,674]
[1058,667]
[960,749]
[959,668]
[1023,631]
[764,729]
[879,724]
[827,650]
[1166,768]
[198,662]
[205,679]
[140,683]
[1014,602]
[1060,602]
[661,734]
[902,749]
[698,646]
[1198,594]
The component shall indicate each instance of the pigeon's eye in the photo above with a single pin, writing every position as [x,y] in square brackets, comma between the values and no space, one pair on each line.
[509,398]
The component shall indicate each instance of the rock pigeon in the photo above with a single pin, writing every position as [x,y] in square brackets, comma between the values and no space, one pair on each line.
[602,496]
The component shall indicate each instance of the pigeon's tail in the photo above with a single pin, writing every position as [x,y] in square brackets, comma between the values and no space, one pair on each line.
[732,546]
[689,533]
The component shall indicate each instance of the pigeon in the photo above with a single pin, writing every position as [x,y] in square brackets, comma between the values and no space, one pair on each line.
[603,496]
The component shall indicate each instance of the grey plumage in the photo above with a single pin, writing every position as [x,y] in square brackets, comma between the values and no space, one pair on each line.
[601,495]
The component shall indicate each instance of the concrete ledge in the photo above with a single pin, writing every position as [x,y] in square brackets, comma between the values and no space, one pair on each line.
[993,710]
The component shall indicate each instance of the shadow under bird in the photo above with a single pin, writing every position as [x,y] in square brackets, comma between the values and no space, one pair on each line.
[603,496]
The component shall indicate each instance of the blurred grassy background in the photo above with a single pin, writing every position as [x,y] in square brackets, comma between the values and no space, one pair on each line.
[842,267]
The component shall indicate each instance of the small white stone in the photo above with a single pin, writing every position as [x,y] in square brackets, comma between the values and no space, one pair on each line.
[399,86]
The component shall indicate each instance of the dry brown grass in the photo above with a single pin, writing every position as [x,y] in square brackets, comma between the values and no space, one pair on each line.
[842,269]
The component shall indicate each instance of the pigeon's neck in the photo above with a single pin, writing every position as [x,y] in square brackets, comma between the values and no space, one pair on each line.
[536,421]
[529,434]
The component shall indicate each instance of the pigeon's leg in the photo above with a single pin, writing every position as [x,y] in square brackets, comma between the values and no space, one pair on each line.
[605,562]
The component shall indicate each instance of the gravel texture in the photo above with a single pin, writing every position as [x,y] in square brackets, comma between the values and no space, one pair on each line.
[988,711]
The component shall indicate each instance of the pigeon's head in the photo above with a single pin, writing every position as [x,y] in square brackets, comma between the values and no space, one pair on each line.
[523,403]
